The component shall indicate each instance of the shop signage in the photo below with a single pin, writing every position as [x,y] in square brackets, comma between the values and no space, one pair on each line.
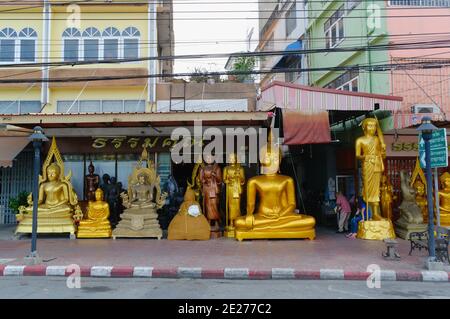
[402,145]
[438,147]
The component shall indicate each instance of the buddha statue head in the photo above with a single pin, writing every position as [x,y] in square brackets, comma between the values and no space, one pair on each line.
[419,187]
[270,159]
[99,195]
[142,178]
[91,169]
[369,126]
[53,172]
[445,180]
[232,158]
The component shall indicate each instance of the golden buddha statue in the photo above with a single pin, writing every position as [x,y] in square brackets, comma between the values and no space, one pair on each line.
[57,202]
[444,200]
[189,223]
[275,215]
[411,219]
[234,179]
[96,223]
[421,199]
[141,202]
[371,150]
[387,197]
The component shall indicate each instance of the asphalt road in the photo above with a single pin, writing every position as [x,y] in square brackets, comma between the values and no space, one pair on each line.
[124,288]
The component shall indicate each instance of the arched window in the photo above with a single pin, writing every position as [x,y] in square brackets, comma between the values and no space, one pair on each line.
[71,40]
[111,38]
[8,45]
[131,43]
[91,41]
[27,39]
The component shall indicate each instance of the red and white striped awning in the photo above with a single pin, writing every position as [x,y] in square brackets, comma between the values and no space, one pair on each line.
[313,99]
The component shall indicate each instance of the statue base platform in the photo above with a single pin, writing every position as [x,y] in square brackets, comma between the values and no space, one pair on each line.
[403,229]
[47,225]
[94,232]
[295,234]
[138,223]
[375,230]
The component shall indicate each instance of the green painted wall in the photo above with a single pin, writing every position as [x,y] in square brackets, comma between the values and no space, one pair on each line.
[357,34]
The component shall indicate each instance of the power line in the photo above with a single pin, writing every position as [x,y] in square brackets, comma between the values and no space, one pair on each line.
[372,68]
[395,46]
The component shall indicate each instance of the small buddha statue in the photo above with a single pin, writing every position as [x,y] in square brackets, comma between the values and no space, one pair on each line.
[444,200]
[387,197]
[421,199]
[57,201]
[275,215]
[92,182]
[234,179]
[189,223]
[96,223]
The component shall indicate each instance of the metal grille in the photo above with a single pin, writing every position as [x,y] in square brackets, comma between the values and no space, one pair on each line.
[420,3]
[14,180]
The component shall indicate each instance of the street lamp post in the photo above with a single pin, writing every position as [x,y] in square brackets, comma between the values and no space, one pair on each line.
[427,128]
[37,138]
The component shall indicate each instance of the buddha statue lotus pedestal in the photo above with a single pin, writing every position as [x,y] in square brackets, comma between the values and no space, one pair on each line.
[58,207]
[144,198]
[371,150]
[275,216]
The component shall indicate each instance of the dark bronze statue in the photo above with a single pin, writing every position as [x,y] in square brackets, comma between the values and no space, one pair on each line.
[211,180]
[92,182]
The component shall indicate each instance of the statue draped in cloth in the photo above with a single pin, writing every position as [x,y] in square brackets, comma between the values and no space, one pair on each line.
[371,150]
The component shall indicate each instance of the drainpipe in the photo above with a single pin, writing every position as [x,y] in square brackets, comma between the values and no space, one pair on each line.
[152,64]
[46,11]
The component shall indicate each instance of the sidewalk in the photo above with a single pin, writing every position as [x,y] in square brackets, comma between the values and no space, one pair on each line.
[330,256]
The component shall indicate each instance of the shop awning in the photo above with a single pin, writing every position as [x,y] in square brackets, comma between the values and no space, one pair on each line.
[294,46]
[312,99]
[305,109]
[13,140]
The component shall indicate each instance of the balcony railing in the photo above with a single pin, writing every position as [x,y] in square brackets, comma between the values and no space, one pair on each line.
[421,3]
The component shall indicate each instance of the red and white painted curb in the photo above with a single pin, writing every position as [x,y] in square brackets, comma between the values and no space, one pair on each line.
[224,273]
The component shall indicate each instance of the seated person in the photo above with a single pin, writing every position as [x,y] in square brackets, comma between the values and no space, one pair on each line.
[358,217]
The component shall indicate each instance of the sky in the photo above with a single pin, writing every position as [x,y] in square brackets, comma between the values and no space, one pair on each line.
[218,36]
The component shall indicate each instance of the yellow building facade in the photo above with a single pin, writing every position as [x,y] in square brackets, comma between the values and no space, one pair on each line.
[39,41]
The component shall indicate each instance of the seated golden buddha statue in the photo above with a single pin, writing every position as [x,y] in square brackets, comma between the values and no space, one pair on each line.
[444,199]
[143,198]
[57,202]
[96,223]
[189,223]
[275,216]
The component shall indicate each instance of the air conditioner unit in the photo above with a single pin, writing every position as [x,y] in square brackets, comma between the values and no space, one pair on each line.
[425,108]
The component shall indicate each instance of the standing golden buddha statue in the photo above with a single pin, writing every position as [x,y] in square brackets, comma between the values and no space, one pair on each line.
[234,179]
[57,203]
[444,200]
[96,223]
[371,150]
[275,216]
[387,197]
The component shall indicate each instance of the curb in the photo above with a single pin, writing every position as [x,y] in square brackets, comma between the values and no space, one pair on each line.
[225,273]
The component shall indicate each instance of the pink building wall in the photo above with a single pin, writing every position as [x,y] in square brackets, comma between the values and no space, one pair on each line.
[434,81]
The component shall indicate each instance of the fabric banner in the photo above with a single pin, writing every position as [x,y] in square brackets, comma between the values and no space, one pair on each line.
[305,128]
